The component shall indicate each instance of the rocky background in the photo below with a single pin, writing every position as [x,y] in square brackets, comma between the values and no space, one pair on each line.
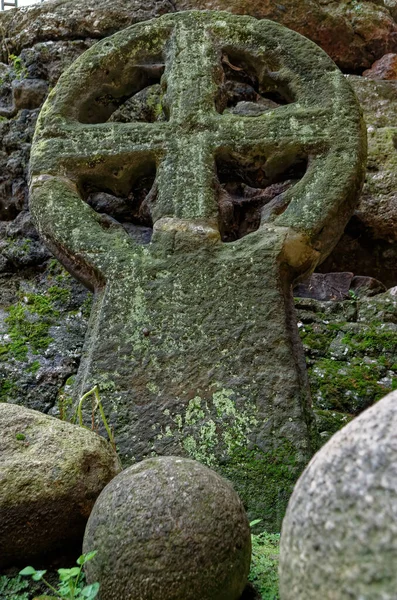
[348,321]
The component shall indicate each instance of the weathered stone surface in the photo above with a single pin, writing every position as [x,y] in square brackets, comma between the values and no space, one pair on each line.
[369,246]
[43,319]
[380,308]
[29,93]
[337,286]
[178,378]
[350,350]
[51,473]
[15,138]
[184,313]
[48,59]
[339,536]
[328,286]
[353,34]
[384,68]
[169,528]
[366,286]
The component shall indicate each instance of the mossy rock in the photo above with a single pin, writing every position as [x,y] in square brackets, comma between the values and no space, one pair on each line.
[169,528]
[52,473]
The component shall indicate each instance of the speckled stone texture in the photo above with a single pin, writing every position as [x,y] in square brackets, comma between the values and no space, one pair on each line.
[51,473]
[339,536]
[169,528]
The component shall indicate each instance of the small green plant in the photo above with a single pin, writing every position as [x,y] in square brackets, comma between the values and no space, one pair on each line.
[71,581]
[18,66]
[11,588]
[264,563]
[97,405]
[20,436]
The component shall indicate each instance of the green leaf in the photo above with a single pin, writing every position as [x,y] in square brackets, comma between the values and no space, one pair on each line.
[64,590]
[86,557]
[66,574]
[90,591]
[27,571]
[253,523]
[38,575]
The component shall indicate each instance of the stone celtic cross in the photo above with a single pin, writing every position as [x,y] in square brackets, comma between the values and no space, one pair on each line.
[227,154]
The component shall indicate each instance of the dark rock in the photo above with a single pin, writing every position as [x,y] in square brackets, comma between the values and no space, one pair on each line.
[29,93]
[22,226]
[339,536]
[40,347]
[180,514]
[252,109]
[369,245]
[140,234]
[51,474]
[328,286]
[366,286]
[250,593]
[25,253]
[48,59]
[143,106]
[103,202]
[15,137]
[5,89]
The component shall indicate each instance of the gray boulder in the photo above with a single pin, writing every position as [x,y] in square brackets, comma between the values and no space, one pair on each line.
[51,473]
[339,536]
[169,528]
[29,93]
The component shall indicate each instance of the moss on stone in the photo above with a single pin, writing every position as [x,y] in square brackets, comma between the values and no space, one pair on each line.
[346,386]
[329,422]
[29,321]
[376,338]
[264,480]
[7,388]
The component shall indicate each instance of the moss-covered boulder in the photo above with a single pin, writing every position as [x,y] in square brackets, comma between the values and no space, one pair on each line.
[169,528]
[51,473]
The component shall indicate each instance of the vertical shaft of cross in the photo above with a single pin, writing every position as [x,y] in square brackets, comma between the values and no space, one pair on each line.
[194,350]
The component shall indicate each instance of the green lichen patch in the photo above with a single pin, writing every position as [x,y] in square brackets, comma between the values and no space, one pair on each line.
[316,338]
[29,321]
[214,428]
[349,386]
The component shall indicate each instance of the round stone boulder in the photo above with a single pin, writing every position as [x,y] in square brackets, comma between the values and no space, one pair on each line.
[169,528]
[51,473]
[339,536]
